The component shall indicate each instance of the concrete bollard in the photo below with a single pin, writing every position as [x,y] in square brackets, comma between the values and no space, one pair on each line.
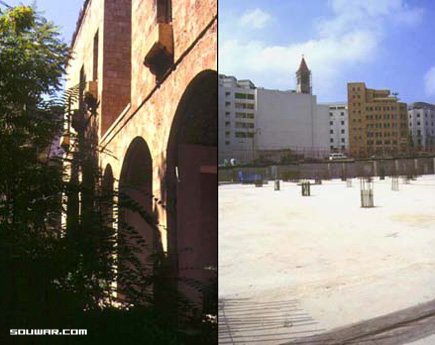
[395,183]
[277,187]
[306,188]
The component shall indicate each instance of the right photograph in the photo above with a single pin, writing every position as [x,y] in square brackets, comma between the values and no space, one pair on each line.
[326,152]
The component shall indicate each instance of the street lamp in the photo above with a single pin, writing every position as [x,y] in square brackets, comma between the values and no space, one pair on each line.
[254,132]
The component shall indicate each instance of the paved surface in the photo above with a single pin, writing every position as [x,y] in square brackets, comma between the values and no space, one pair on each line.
[244,321]
[414,325]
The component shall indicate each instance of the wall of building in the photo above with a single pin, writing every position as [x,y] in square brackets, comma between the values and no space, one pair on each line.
[290,120]
[153,110]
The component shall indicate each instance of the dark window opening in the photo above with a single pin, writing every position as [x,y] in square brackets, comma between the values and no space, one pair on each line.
[95,67]
[164,11]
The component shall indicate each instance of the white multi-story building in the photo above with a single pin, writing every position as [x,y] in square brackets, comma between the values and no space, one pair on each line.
[338,127]
[421,120]
[255,122]
[237,118]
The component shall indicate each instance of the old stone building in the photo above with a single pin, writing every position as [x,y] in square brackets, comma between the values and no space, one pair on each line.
[152,66]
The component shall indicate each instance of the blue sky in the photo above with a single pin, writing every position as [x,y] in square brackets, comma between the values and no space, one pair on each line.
[64,13]
[388,44]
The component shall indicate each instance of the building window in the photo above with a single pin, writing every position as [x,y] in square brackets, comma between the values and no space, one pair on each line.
[227,93]
[331,131]
[342,140]
[342,122]
[342,131]
[164,11]
[227,104]
[95,66]
[342,113]
[331,123]
[331,140]
[227,143]
[330,114]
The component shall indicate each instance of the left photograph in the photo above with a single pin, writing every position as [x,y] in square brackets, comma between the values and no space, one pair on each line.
[108,172]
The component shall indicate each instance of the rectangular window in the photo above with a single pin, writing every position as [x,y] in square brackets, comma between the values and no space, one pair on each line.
[239,95]
[95,65]
[164,11]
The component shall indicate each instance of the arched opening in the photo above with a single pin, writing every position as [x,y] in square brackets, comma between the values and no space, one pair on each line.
[137,237]
[191,195]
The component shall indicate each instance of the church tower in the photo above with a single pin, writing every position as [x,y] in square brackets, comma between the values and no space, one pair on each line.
[303,77]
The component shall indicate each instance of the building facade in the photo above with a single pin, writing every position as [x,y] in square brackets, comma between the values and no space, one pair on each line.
[237,119]
[261,123]
[377,122]
[152,66]
[421,117]
[292,121]
[338,127]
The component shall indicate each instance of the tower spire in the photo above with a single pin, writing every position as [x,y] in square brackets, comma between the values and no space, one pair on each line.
[303,77]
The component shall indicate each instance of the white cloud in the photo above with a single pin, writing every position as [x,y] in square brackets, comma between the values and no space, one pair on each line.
[352,35]
[429,81]
[255,18]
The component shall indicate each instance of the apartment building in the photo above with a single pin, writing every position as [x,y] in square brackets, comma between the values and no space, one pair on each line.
[421,117]
[237,116]
[377,121]
[338,127]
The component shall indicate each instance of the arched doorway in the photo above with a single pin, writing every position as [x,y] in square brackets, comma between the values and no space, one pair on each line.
[191,182]
[137,236]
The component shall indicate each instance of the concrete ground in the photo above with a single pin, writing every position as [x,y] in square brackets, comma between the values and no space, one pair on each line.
[293,266]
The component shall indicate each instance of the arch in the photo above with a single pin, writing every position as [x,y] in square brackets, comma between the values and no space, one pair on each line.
[191,186]
[136,222]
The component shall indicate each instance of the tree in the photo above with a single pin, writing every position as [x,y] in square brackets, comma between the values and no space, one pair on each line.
[52,277]
[32,62]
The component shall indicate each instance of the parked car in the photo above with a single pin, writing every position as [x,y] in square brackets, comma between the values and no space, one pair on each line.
[337,156]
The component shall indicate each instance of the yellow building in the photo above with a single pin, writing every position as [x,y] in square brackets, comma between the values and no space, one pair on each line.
[377,122]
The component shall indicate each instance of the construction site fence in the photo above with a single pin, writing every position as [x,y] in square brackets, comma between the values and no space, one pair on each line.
[332,170]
